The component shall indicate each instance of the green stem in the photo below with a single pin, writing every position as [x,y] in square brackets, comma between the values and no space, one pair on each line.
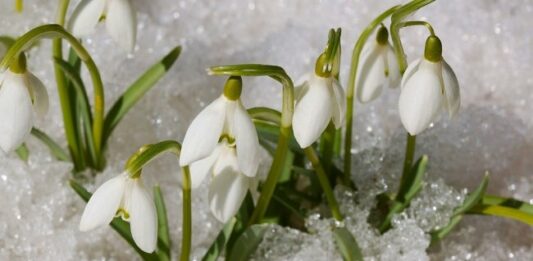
[417,23]
[358,48]
[397,24]
[287,110]
[327,144]
[57,31]
[187,216]
[64,97]
[324,182]
[409,157]
[273,176]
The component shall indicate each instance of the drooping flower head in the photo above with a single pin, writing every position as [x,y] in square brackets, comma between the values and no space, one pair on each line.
[119,17]
[428,86]
[378,68]
[124,196]
[22,97]
[320,99]
[222,141]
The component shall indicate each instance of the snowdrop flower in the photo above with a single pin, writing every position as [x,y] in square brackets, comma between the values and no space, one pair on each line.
[124,196]
[428,86]
[378,68]
[119,19]
[319,100]
[222,141]
[22,97]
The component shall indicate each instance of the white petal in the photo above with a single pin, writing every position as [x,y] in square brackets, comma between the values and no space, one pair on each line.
[121,23]
[420,99]
[16,112]
[411,69]
[394,70]
[371,75]
[200,169]
[451,89]
[40,95]
[204,132]
[339,104]
[103,204]
[143,218]
[247,141]
[85,17]
[226,193]
[313,112]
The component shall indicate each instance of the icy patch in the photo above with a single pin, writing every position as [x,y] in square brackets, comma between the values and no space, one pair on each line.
[433,207]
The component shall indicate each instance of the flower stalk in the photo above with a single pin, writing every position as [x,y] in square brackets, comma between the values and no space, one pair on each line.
[280,155]
[312,156]
[358,48]
[148,153]
[396,25]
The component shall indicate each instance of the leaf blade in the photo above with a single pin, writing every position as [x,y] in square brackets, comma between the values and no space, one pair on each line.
[247,243]
[137,90]
[347,245]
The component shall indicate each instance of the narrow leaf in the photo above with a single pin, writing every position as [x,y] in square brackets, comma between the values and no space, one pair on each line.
[247,243]
[347,245]
[502,211]
[85,121]
[137,90]
[443,232]
[220,242]
[413,182]
[120,226]
[473,198]
[163,242]
[507,202]
[54,148]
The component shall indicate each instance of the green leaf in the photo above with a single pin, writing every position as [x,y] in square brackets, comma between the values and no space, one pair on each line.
[54,148]
[507,202]
[407,191]
[137,90]
[120,226]
[347,245]
[270,132]
[220,242]
[473,198]
[247,243]
[413,182]
[23,152]
[443,232]
[163,242]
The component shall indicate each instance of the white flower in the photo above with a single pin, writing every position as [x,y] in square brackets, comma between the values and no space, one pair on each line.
[128,198]
[229,184]
[319,100]
[222,140]
[21,96]
[427,87]
[119,18]
[378,68]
